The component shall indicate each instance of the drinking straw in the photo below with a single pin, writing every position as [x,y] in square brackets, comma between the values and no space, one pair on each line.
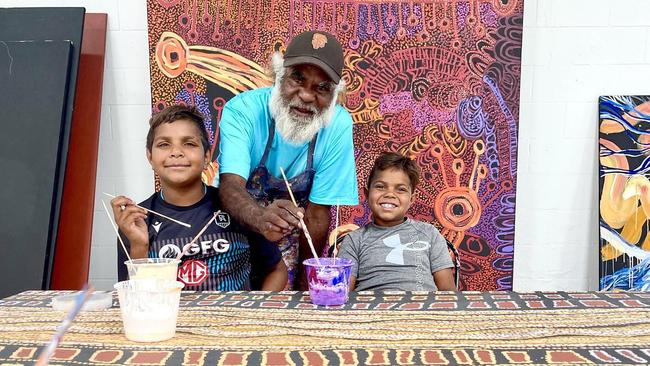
[302,222]
[155,213]
[48,351]
[110,218]
[187,246]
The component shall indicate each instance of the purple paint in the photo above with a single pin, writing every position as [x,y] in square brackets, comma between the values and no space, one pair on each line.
[329,282]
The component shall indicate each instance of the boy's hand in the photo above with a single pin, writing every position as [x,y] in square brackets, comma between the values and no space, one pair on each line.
[132,222]
[279,219]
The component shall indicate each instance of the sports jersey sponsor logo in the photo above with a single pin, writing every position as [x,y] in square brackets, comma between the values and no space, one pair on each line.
[169,251]
[207,246]
[396,256]
[204,247]
[193,272]
[223,219]
[156,225]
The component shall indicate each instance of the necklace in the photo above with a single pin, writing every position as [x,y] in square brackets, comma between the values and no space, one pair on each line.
[205,190]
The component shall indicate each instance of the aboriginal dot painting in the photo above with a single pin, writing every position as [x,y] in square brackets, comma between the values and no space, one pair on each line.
[624,143]
[435,80]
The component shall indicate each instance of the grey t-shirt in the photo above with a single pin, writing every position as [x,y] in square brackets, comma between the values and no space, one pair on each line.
[401,257]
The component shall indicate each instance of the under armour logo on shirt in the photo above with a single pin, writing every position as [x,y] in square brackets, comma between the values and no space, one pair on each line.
[396,256]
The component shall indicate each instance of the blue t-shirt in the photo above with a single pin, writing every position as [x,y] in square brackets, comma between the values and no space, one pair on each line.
[244,131]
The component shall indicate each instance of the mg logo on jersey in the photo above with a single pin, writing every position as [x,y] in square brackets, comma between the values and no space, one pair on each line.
[193,272]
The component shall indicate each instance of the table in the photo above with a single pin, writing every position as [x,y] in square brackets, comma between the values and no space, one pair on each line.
[383,328]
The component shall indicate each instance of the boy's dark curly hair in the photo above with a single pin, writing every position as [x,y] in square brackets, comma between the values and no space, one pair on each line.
[175,113]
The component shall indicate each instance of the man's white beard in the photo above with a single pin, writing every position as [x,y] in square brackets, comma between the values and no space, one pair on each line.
[296,130]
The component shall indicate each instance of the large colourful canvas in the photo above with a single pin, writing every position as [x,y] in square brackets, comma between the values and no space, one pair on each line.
[435,80]
[624,151]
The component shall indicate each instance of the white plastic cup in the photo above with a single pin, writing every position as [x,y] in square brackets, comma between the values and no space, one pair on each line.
[149,308]
[160,268]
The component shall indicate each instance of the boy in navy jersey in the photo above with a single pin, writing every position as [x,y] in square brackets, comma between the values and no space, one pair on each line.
[178,151]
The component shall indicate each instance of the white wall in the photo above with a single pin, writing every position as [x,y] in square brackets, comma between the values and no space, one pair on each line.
[574,51]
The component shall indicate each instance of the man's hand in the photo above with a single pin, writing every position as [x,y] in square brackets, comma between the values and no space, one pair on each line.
[132,222]
[274,222]
[279,219]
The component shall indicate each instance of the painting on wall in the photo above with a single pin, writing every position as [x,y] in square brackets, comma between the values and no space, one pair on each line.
[624,154]
[436,80]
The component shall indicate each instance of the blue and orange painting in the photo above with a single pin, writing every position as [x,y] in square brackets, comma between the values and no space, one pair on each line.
[624,155]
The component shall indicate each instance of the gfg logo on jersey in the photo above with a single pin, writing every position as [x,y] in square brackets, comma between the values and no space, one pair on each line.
[205,247]
[396,255]
[193,272]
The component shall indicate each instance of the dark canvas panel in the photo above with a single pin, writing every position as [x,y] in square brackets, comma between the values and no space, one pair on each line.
[34,76]
[28,100]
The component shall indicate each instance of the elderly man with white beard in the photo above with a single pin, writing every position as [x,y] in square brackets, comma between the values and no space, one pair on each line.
[299,126]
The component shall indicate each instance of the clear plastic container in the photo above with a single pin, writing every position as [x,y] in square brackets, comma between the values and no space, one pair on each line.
[329,282]
[149,308]
[161,268]
[95,302]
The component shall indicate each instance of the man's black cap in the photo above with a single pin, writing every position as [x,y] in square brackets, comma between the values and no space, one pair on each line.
[316,48]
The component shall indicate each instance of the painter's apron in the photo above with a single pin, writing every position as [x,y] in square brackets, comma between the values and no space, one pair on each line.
[266,188]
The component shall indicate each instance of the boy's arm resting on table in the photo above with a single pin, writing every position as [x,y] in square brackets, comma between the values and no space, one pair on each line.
[346,250]
[273,222]
[353,283]
[276,278]
[317,220]
[444,280]
[132,222]
[441,263]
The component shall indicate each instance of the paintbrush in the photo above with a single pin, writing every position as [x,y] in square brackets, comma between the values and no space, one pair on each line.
[48,351]
[110,218]
[336,230]
[155,213]
[302,222]
[187,246]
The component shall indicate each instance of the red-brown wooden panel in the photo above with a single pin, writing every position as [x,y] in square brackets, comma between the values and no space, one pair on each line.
[72,253]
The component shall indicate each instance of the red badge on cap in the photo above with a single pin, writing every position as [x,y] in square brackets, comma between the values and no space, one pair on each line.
[318,41]
[193,272]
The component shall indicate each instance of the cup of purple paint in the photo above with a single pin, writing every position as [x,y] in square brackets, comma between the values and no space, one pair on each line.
[329,280]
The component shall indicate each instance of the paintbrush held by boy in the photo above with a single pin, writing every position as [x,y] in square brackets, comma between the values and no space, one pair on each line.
[214,250]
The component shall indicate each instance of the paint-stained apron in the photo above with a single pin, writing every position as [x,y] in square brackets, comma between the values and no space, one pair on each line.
[266,188]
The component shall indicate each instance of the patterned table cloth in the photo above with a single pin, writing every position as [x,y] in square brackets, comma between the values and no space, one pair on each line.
[383,328]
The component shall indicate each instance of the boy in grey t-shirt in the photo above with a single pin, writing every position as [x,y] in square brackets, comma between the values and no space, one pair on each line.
[394,252]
